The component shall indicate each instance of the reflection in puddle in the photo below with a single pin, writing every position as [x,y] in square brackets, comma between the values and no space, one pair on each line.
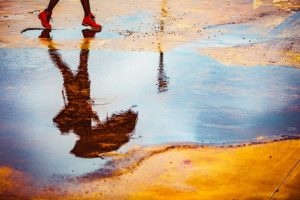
[68,34]
[162,78]
[78,116]
[205,102]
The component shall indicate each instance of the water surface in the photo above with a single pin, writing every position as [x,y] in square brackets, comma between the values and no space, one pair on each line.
[61,108]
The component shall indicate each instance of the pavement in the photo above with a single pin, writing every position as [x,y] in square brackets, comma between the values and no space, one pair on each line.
[253,46]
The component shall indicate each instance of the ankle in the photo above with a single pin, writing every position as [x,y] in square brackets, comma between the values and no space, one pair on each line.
[48,11]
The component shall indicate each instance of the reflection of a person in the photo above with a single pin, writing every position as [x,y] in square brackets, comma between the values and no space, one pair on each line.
[95,136]
[162,78]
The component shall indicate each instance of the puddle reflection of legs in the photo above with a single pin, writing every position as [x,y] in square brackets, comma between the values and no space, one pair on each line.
[77,116]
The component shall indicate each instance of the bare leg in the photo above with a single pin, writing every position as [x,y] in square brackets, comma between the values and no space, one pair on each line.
[86,7]
[51,5]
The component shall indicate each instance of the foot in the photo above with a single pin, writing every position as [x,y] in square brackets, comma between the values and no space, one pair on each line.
[90,21]
[45,17]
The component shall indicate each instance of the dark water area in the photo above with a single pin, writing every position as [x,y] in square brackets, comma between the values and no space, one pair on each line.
[60,109]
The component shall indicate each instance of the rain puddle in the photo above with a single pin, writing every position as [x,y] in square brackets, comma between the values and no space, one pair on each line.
[61,109]
[68,34]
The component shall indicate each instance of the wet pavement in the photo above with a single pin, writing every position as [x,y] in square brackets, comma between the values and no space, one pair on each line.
[61,109]
[67,111]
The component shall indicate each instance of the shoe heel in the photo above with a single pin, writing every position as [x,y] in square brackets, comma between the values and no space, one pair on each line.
[84,24]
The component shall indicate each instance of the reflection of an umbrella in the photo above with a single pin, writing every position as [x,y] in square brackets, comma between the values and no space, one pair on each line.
[162,78]
[95,136]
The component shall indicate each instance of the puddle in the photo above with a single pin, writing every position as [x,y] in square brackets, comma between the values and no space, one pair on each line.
[230,35]
[48,105]
[60,109]
[69,34]
[291,23]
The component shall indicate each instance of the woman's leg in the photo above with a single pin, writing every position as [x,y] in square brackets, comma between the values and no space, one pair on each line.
[45,15]
[51,5]
[86,7]
[89,18]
